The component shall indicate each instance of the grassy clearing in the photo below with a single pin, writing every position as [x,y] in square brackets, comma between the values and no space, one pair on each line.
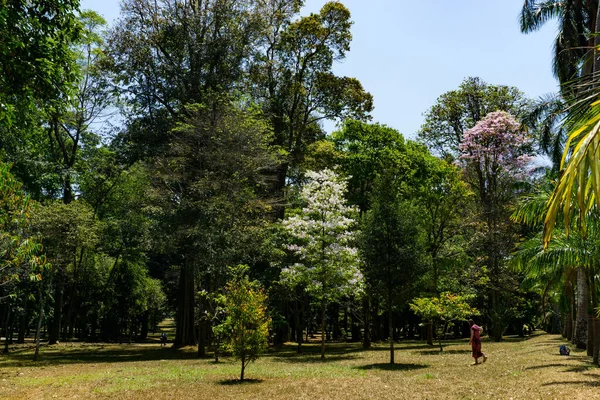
[517,369]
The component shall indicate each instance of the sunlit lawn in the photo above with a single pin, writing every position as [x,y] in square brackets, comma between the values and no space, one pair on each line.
[517,369]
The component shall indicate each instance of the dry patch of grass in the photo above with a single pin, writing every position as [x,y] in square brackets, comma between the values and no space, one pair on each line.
[517,369]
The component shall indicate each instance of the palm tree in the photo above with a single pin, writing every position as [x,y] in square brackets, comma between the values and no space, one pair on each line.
[577,66]
[576,23]
[561,260]
[545,119]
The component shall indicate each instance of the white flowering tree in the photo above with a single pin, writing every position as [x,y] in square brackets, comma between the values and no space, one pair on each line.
[323,241]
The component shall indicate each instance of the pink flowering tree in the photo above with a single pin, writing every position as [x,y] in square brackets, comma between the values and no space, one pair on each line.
[323,240]
[497,148]
[495,155]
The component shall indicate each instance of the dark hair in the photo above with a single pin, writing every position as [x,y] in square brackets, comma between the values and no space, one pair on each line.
[471,322]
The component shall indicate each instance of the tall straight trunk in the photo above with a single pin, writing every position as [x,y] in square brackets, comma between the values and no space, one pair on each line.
[298,326]
[596,344]
[430,333]
[55,323]
[336,331]
[570,298]
[376,326]
[38,332]
[323,320]
[581,323]
[568,327]
[7,332]
[367,322]
[145,324]
[23,322]
[391,327]
[590,336]
[185,331]
[202,337]
[594,301]
[345,323]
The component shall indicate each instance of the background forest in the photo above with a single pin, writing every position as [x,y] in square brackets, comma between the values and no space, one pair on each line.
[139,163]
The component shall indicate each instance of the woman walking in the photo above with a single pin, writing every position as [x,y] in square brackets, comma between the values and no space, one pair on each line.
[475,342]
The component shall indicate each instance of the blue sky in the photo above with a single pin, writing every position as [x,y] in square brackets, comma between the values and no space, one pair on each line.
[407,53]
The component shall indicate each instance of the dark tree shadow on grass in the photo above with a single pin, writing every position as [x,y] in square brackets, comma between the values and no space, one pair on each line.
[313,358]
[232,382]
[437,352]
[578,383]
[585,366]
[392,367]
[95,354]
[547,366]
[290,350]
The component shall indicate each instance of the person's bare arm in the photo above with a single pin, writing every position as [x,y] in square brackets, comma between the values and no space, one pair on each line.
[471,338]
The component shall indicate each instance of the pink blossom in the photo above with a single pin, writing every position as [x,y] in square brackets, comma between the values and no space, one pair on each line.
[497,145]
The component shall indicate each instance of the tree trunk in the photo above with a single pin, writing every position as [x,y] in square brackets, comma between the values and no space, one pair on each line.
[581,323]
[569,328]
[590,336]
[596,354]
[497,328]
[185,331]
[243,367]
[145,323]
[391,328]
[336,331]
[7,332]
[430,333]
[298,327]
[38,332]
[367,323]
[23,322]
[323,320]
[376,327]
[55,323]
[202,338]
[68,325]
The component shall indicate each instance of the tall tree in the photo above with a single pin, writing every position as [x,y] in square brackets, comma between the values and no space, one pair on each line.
[458,110]
[210,197]
[294,80]
[166,55]
[323,240]
[392,245]
[446,206]
[495,153]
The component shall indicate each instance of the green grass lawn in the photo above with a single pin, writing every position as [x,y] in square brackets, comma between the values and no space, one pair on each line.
[516,369]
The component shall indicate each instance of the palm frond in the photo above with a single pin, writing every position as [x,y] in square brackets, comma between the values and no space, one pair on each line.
[534,14]
[532,208]
[580,182]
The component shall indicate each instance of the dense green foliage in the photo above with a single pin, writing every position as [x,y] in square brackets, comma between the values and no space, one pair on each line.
[149,157]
